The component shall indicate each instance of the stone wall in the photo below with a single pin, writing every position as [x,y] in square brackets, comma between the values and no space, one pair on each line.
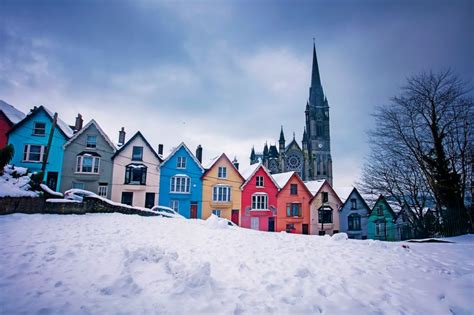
[10,205]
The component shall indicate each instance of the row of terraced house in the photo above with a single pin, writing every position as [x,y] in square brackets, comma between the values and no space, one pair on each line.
[133,172]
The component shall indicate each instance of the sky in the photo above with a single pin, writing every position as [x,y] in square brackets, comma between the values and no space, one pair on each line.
[227,74]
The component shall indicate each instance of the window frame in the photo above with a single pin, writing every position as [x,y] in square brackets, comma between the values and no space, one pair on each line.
[95,166]
[129,174]
[181,162]
[174,204]
[259,181]
[354,222]
[325,196]
[291,207]
[35,129]
[259,202]
[217,212]
[294,189]
[134,157]
[27,152]
[222,172]
[174,184]
[353,204]
[89,144]
[323,214]
[101,194]
[218,193]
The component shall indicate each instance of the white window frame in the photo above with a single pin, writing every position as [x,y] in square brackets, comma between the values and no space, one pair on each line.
[174,204]
[181,162]
[255,223]
[103,190]
[80,164]
[34,129]
[217,212]
[180,184]
[260,201]
[221,193]
[262,182]
[222,172]
[87,142]
[27,151]
[379,229]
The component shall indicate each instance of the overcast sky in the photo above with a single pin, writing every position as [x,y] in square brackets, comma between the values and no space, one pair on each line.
[226,74]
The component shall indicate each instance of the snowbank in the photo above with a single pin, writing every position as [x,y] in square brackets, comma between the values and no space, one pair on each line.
[50,191]
[113,263]
[15,183]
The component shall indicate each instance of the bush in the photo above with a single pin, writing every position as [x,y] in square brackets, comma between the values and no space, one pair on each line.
[6,155]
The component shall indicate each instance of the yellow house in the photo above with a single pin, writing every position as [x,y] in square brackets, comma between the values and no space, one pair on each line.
[221,192]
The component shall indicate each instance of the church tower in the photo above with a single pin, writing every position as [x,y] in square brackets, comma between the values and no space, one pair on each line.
[317,129]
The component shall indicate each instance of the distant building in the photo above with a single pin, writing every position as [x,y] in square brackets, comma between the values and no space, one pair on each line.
[324,208]
[354,216]
[382,222]
[9,116]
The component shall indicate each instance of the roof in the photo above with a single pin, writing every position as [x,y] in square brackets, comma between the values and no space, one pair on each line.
[182,145]
[315,185]
[250,172]
[344,192]
[291,143]
[62,126]
[208,164]
[13,114]
[90,123]
[355,191]
[282,178]
[136,135]
[214,161]
[382,199]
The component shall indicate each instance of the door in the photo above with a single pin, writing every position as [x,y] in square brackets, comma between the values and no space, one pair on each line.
[305,229]
[127,198]
[271,224]
[52,180]
[194,210]
[149,200]
[254,223]
[235,216]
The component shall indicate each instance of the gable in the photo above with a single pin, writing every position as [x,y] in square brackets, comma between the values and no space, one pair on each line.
[261,170]
[223,160]
[91,128]
[295,179]
[385,206]
[138,140]
[181,150]
[356,195]
[330,190]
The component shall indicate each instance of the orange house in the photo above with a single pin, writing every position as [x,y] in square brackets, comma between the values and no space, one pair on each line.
[293,199]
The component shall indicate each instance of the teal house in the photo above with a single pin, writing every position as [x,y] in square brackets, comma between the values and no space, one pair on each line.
[29,138]
[382,222]
[181,183]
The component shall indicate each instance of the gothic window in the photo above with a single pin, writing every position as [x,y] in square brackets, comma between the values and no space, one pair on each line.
[294,161]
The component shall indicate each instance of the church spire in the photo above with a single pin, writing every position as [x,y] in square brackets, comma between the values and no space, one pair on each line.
[316,94]
[315,79]
[282,136]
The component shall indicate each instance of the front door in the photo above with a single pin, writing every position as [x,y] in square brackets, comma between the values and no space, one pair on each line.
[149,200]
[254,223]
[235,216]
[305,229]
[194,210]
[52,180]
[271,224]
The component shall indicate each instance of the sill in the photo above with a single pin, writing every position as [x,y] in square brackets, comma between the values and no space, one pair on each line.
[180,168]
[259,210]
[137,160]
[135,184]
[259,186]
[26,161]
[180,193]
[86,173]
[38,135]
[92,148]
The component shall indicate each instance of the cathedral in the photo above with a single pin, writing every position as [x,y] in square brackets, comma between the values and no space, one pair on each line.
[312,160]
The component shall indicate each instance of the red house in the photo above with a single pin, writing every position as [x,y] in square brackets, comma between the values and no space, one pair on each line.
[259,202]
[9,116]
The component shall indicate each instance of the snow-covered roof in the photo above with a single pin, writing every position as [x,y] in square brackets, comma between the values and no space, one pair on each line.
[314,185]
[247,172]
[92,122]
[182,144]
[282,178]
[253,168]
[343,192]
[13,114]
[208,164]
[61,124]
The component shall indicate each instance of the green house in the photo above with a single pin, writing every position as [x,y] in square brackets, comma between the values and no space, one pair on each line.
[382,223]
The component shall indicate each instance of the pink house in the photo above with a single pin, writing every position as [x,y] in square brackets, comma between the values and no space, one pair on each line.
[259,203]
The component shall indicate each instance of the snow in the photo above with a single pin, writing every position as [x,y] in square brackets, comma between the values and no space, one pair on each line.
[15,187]
[50,191]
[343,192]
[13,114]
[61,124]
[85,128]
[249,171]
[208,164]
[62,201]
[282,178]
[114,263]
[314,186]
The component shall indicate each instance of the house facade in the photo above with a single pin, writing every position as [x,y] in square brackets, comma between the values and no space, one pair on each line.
[324,208]
[221,194]
[181,182]
[259,199]
[87,162]
[136,172]
[9,116]
[292,204]
[381,223]
[30,137]
[353,216]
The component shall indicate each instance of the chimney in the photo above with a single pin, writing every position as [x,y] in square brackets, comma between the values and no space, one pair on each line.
[160,149]
[121,139]
[235,162]
[199,153]
[78,124]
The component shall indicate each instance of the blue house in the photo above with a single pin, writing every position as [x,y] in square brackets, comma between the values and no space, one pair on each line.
[181,183]
[29,138]
[353,216]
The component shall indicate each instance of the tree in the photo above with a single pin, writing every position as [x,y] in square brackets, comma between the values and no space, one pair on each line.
[6,154]
[421,153]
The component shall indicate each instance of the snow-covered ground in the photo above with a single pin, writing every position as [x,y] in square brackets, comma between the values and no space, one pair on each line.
[15,182]
[124,264]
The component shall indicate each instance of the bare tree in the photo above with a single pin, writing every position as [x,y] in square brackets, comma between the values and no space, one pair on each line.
[420,150]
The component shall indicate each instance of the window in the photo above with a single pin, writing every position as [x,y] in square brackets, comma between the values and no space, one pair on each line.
[222,172]
[33,153]
[354,222]
[254,223]
[259,181]
[325,196]
[325,215]
[87,164]
[221,193]
[135,174]
[290,228]
[127,198]
[76,185]
[102,191]
[259,202]
[380,228]
[181,163]
[216,212]
[91,141]
[180,184]
[149,200]
[174,204]
[293,189]
[293,209]
[39,129]
[137,154]
[353,204]
[379,210]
